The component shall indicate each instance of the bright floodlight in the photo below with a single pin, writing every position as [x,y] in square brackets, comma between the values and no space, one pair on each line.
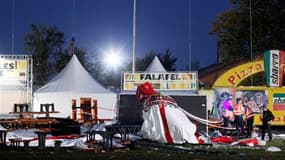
[112,59]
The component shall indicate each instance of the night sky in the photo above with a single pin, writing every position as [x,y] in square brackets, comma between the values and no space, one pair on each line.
[104,24]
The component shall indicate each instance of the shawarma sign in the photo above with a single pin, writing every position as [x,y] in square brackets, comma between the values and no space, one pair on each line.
[274,61]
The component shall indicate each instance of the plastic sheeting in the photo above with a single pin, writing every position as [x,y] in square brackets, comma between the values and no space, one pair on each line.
[74,141]
[273,149]
[2,128]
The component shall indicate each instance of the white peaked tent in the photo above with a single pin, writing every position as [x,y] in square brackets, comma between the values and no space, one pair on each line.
[74,82]
[155,66]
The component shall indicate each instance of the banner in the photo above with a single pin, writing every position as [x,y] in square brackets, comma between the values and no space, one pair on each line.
[235,75]
[278,106]
[278,102]
[274,60]
[12,69]
[223,103]
[15,81]
[255,100]
[161,81]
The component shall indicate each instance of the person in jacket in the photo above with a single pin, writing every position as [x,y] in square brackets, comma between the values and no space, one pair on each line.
[250,107]
[267,118]
[238,113]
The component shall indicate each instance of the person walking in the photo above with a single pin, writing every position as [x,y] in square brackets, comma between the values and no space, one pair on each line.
[267,118]
[238,113]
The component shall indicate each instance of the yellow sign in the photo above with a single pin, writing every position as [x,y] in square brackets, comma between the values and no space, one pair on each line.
[162,81]
[274,98]
[234,76]
[276,104]
[13,69]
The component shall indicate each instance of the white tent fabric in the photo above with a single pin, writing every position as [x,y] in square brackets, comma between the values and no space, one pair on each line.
[155,66]
[181,129]
[12,92]
[2,128]
[74,82]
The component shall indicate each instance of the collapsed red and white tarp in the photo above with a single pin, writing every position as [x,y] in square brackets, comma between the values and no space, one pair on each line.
[163,121]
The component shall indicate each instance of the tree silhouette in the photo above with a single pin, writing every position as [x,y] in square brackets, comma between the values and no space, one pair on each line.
[44,43]
[232,28]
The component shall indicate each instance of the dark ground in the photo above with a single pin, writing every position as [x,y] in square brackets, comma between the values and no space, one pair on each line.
[138,152]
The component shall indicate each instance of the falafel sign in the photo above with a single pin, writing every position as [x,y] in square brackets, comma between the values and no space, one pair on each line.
[161,81]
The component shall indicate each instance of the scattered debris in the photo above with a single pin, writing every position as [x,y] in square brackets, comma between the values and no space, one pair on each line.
[273,149]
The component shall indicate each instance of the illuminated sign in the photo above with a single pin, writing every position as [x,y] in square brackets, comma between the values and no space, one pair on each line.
[162,81]
[278,102]
[274,60]
[234,76]
[13,68]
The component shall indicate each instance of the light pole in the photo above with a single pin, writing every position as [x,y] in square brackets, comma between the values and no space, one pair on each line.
[190,33]
[250,32]
[134,36]
[13,29]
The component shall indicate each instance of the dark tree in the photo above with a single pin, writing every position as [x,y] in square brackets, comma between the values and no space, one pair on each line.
[232,28]
[45,44]
[142,63]
[65,56]
[166,58]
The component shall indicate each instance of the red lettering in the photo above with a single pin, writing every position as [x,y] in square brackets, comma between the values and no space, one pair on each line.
[232,80]
[237,75]
[250,69]
[277,119]
[244,73]
[259,67]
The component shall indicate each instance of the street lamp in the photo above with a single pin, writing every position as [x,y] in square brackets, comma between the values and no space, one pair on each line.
[112,59]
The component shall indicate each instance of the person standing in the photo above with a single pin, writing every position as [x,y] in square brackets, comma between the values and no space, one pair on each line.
[250,106]
[249,122]
[238,113]
[227,112]
[267,118]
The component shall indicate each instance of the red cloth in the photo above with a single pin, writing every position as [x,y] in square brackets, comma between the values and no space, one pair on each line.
[249,140]
[165,124]
[200,141]
[144,90]
[222,139]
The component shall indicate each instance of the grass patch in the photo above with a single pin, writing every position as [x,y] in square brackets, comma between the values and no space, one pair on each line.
[149,153]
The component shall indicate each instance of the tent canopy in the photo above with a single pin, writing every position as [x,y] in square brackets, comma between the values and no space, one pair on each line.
[73,78]
[155,66]
[74,82]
